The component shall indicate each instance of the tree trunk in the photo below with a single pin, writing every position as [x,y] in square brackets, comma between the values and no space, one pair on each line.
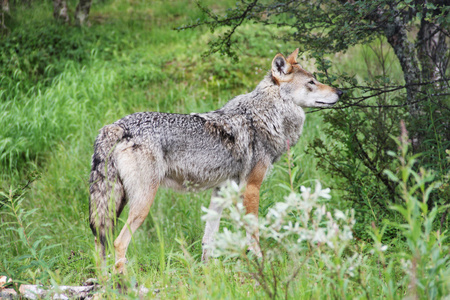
[5,6]
[4,12]
[396,35]
[82,12]
[60,10]
[404,50]
[432,52]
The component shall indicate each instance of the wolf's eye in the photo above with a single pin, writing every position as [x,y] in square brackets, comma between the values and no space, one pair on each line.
[311,82]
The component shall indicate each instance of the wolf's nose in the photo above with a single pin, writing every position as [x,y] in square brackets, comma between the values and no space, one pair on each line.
[339,92]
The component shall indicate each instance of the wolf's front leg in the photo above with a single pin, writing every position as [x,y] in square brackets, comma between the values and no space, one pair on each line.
[251,203]
[212,226]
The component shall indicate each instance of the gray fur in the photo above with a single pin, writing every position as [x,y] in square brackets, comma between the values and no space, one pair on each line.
[105,183]
[193,152]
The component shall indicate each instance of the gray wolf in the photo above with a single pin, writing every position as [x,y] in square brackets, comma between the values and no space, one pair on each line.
[240,141]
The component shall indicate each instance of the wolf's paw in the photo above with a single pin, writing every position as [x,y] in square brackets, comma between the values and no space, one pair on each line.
[205,255]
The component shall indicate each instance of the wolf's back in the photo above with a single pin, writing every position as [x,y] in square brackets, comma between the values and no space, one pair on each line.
[106,189]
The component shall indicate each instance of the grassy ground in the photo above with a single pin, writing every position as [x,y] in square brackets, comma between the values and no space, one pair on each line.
[53,101]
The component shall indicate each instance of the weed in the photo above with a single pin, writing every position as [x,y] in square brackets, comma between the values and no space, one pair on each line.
[30,262]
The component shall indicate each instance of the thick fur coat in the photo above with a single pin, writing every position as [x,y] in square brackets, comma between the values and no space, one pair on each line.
[137,154]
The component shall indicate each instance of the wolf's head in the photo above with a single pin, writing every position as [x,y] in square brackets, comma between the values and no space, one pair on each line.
[299,85]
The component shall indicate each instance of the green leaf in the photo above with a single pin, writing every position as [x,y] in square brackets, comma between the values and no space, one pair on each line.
[391,175]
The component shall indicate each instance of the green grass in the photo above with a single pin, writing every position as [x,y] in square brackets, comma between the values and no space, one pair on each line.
[56,95]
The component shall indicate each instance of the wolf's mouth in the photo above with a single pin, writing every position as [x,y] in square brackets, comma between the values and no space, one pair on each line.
[326,103]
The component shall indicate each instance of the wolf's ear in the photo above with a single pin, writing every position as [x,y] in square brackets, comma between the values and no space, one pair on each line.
[292,58]
[280,67]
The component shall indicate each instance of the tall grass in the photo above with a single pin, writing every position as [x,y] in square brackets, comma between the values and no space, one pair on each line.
[38,121]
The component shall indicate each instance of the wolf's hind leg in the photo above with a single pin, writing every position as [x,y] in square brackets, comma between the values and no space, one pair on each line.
[212,226]
[100,260]
[139,173]
[136,217]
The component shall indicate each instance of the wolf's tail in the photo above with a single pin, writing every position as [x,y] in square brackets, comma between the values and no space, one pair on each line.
[107,196]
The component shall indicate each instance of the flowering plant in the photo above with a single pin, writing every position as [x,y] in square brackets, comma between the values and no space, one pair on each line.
[299,229]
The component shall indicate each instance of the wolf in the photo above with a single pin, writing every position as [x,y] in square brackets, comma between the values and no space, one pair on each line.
[239,142]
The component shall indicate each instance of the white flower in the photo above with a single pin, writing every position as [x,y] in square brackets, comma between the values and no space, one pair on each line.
[350,271]
[281,207]
[320,212]
[229,243]
[319,193]
[229,193]
[339,215]
[293,199]
[346,234]
[319,236]
[210,214]
[250,223]
[307,202]
[306,192]
[325,193]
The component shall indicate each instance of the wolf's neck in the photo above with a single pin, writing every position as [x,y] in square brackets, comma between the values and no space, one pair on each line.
[279,120]
[268,87]
[277,123]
